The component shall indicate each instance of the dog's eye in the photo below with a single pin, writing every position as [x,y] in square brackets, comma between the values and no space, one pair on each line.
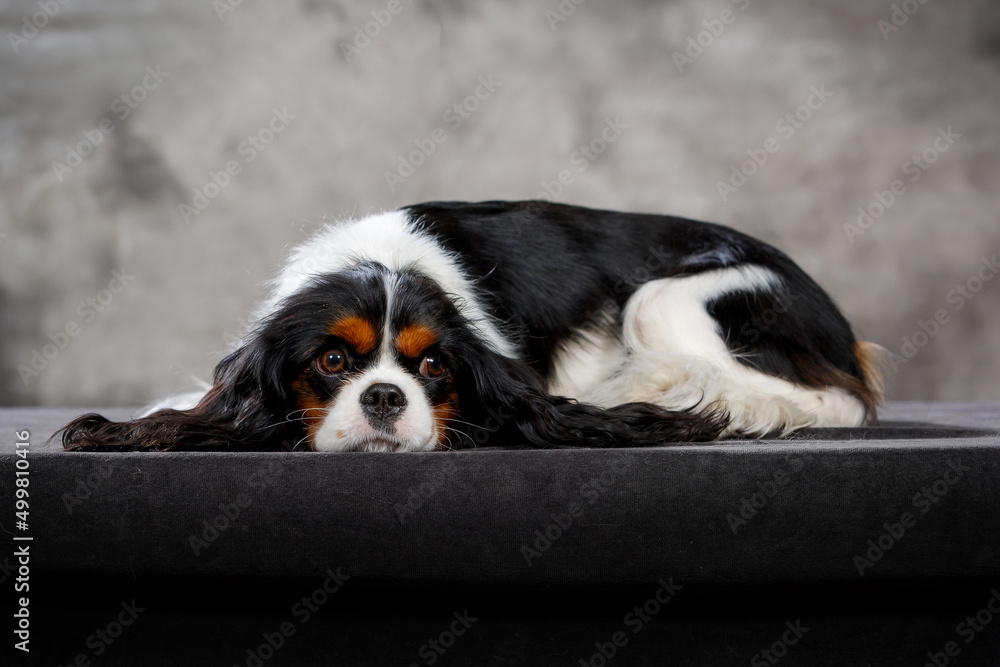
[331,362]
[431,367]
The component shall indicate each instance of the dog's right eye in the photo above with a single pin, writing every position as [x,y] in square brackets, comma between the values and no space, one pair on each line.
[331,362]
[432,367]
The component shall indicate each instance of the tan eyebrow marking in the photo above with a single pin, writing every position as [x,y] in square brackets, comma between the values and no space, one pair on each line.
[414,339]
[358,332]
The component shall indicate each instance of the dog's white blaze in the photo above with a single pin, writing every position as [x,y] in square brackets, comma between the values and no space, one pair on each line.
[394,240]
[391,284]
[675,357]
[345,427]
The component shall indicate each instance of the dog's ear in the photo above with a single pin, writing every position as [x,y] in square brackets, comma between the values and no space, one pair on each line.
[247,409]
[503,395]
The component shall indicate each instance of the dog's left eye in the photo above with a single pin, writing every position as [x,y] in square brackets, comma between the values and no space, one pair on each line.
[331,362]
[431,367]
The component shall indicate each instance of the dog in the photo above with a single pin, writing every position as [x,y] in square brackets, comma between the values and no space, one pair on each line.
[448,325]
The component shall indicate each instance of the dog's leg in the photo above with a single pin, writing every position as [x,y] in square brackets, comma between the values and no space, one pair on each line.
[677,356]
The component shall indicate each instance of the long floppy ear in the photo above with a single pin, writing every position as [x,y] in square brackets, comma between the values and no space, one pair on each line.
[246,410]
[509,394]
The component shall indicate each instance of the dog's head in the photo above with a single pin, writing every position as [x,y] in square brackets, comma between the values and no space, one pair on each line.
[374,360]
[366,359]
[370,359]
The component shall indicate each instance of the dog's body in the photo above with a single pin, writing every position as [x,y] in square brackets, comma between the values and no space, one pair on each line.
[672,328]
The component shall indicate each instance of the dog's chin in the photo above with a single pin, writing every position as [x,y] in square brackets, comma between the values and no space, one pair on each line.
[377,444]
[370,443]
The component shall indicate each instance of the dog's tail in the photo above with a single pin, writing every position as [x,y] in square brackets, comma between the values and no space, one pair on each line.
[874,362]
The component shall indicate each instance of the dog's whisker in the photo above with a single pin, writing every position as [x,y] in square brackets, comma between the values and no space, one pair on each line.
[461,433]
[290,419]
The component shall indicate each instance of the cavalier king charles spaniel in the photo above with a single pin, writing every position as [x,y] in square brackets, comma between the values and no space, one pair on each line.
[451,325]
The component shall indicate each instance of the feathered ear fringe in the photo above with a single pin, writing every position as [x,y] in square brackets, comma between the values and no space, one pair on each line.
[237,414]
[557,422]
[167,430]
[546,421]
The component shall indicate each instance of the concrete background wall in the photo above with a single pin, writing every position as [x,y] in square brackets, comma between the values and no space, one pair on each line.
[66,226]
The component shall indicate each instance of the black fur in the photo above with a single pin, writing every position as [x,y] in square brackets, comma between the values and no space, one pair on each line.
[550,269]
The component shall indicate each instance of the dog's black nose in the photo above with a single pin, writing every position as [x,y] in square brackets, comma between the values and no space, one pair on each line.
[382,403]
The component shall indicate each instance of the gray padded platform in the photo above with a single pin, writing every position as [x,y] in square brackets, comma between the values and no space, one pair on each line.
[914,503]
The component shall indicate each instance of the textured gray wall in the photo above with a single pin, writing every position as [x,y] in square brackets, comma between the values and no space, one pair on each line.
[189,283]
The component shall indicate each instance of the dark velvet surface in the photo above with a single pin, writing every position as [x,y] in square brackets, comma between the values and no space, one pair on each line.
[420,536]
